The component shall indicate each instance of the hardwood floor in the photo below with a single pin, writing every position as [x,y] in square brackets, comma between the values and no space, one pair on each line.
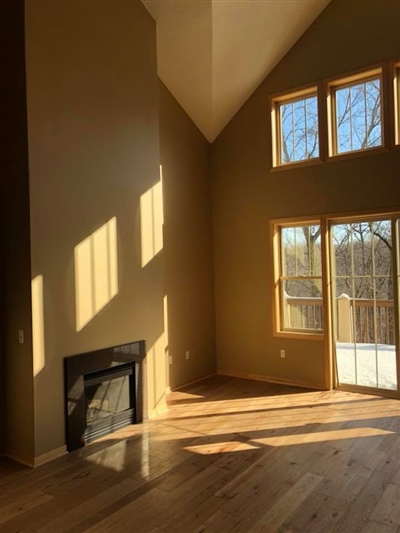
[230,455]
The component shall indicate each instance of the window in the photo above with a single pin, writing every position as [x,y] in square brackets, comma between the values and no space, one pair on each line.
[295,125]
[299,280]
[397,102]
[356,113]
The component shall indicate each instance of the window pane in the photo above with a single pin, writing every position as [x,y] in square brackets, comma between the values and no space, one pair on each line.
[299,130]
[301,251]
[358,116]
[302,304]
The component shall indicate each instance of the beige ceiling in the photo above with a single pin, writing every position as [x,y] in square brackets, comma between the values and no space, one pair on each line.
[213,54]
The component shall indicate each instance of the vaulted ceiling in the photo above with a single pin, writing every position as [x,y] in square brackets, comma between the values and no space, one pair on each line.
[213,54]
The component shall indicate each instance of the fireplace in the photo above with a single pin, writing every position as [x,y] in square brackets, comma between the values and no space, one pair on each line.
[104,392]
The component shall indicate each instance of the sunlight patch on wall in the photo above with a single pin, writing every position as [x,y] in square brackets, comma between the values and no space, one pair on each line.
[156,375]
[151,221]
[96,272]
[38,325]
[157,367]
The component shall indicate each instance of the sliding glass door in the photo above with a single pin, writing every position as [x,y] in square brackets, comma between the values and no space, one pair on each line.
[365,302]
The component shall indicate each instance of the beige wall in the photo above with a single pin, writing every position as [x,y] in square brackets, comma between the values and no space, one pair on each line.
[246,195]
[188,243]
[93,152]
[16,366]
[98,117]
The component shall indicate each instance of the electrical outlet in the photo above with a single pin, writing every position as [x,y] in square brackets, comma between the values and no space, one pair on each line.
[283,354]
[170,359]
[187,354]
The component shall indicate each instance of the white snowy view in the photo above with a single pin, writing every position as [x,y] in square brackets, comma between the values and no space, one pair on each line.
[367,364]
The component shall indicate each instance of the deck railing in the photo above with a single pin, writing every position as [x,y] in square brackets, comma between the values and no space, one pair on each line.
[373,321]
[358,320]
[304,313]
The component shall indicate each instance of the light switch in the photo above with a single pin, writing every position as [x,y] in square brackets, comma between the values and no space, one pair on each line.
[21,336]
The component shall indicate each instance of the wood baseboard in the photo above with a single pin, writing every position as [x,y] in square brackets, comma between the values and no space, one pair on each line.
[49,456]
[161,408]
[273,379]
[21,460]
[172,389]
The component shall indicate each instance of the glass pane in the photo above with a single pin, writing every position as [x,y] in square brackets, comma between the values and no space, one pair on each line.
[301,251]
[299,130]
[382,250]
[302,304]
[106,399]
[358,116]
[341,244]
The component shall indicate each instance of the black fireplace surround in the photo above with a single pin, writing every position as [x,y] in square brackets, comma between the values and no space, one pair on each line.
[105,362]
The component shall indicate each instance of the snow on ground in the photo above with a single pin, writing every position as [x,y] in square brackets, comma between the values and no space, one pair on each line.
[374,365]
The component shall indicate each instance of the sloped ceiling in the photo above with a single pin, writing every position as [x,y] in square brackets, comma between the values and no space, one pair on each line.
[213,54]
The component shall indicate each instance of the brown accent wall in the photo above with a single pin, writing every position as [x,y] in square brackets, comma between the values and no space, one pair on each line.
[16,415]
[246,194]
[188,243]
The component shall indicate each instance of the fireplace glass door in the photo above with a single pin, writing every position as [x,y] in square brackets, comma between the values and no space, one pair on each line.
[109,399]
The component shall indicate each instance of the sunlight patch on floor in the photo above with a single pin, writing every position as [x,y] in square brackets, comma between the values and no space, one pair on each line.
[220,447]
[322,436]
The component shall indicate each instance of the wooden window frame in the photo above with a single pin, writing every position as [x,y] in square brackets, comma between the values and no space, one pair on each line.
[280,329]
[396,102]
[348,81]
[276,128]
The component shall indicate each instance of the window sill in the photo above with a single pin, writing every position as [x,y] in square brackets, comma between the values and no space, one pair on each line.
[297,164]
[306,336]
[357,153]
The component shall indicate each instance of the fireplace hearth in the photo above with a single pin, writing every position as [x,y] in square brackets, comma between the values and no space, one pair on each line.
[104,392]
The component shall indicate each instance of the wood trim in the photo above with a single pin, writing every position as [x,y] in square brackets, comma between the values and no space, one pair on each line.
[278,326]
[326,304]
[179,387]
[396,291]
[275,102]
[343,216]
[40,459]
[325,91]
[304,335]
[159,409]
[273,379]
[49,456]
[349,81]
[279,167]
[394,90]
[323,122]
[369,215]
[275,249]
[294,94]
[369,390]
[21,460]
[367,74]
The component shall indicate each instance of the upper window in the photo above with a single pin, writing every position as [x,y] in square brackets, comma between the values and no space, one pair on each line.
[356,113]
[295,124]
[299,280]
